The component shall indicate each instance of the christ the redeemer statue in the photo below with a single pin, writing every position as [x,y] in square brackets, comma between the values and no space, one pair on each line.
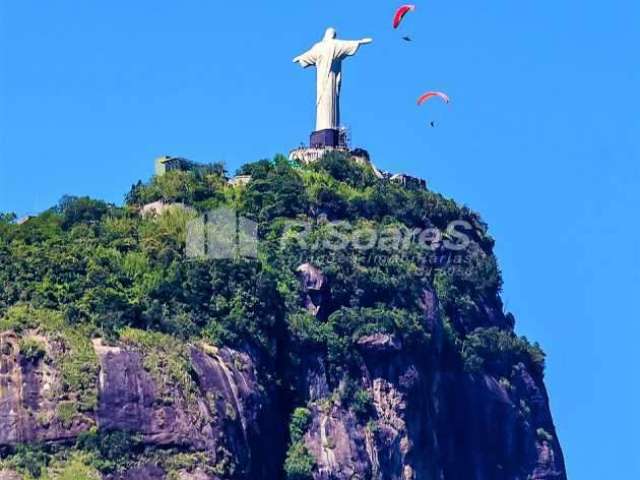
[327,56]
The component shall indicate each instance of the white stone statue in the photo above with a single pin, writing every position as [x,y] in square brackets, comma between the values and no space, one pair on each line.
[327,56]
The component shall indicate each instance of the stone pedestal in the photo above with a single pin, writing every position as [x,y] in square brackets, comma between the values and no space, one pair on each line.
[325,138]
[307,155]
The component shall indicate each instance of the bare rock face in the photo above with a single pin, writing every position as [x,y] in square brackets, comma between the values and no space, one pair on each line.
[380,343]
[433,426]
[153,472]
[431,421]
[425,418]
[227,400]
[314,285]
[221,417]
[9,475]
[29,406]
[338,445]
[197,475]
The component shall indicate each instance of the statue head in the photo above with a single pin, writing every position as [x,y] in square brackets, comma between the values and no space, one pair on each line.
[330,34]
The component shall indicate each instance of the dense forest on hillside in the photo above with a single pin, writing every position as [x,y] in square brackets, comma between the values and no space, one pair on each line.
[86,271]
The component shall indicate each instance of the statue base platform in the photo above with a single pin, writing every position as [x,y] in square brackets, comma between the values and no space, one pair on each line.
[306,155]
[331,138]
[322,143]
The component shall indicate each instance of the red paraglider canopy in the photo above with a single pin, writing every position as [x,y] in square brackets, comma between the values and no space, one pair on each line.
[429,95]
[400,14]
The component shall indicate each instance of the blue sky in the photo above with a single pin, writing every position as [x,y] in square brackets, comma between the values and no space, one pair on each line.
[542,138]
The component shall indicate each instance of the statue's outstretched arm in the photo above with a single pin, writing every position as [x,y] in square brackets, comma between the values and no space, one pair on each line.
[300,59]
[307,59]
[346,48]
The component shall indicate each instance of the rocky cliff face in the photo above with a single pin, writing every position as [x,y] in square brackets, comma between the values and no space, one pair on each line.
[430,422]
[222,419]
[427,421]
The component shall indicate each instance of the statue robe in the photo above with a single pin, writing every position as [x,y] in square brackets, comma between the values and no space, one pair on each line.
[327,56]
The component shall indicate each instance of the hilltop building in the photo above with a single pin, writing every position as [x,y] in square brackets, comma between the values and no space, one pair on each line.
[239,180]
[407,181]
[167,163]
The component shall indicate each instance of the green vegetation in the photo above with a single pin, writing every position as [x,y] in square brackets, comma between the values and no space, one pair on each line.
[103,270]
[86,269]
[362,403]
[76,467]
[109,451]
[299,423]
[74,356]
[299,463]
[173,462]
[276,190]
[28,460]
[7,218]
[95,452]
[66,412]
[106,268]
[79,368]
[497,351]
[74,210]
[32,350]
[204,187]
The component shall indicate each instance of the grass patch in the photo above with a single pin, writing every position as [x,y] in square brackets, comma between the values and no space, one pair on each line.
[66,412]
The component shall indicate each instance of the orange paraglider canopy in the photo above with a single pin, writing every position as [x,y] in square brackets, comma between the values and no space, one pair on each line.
[428,95]
[400,14]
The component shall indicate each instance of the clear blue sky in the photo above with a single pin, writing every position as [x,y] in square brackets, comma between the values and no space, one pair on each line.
[542,137]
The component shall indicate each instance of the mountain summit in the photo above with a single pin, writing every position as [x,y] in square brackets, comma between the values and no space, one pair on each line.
[334,325]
